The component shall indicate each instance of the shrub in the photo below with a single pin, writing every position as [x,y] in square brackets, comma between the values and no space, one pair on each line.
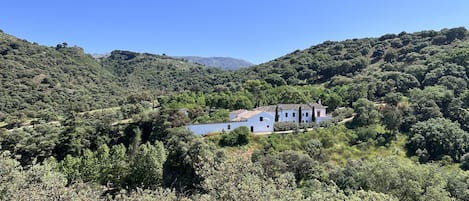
[286,126]
[237,137]
[465,161]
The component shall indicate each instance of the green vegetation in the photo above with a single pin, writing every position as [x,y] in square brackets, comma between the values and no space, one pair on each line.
[236,137]
[78,128]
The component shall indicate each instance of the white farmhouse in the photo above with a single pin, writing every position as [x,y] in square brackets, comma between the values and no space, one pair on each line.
[256,120]
[302,113]
[262,119]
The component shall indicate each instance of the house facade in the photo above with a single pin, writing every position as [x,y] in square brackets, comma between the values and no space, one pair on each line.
[262,119]
[257,121]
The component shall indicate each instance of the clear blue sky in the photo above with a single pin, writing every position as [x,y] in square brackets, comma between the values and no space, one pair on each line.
[254,30]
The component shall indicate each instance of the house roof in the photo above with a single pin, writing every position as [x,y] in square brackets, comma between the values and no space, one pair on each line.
[245,116]
[268,108]
[236,112]
[317,105]
[293,106]
[271,108]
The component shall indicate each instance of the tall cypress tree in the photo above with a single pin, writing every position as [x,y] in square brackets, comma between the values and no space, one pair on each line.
[276,113]
[299,115]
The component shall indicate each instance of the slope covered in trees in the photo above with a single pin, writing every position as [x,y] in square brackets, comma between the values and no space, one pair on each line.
[37,79]
[408,139]
[414,54]
[163,73]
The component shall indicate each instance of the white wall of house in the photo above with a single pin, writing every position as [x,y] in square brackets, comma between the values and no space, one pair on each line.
[320,112]
[307,116]
[288,116]
[202,129]
[292,116]
[254,124]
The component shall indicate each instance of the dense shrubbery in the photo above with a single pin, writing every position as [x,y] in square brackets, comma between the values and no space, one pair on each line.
[297,127]
[236,137]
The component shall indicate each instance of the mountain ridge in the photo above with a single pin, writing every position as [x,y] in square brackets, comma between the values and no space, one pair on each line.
[226,63]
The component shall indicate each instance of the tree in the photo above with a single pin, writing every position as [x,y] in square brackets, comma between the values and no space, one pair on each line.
[366,113]
[146,169]
[236,137]
[392,118]
[135,142]
[396,177]
[333,100]
[258,89]
[118,167]
[315,150]
[425,109]
[186,155]
[436,138]
[465,162]
[240,179]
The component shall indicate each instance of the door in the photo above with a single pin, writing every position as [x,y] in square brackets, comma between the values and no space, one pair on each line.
[252,129]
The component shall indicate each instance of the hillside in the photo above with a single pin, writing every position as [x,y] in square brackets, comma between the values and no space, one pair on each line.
[162,73]
[336,61]
[36,80]
[226,63]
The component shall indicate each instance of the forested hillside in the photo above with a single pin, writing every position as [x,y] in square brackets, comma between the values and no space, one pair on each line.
[36,79]
[163,73]
[334,61]
[78,128]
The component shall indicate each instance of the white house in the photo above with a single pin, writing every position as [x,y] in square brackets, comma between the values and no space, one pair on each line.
[302,113]
[256,120]
[262,119]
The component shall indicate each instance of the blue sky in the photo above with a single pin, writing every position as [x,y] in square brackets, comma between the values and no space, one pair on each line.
[255,30]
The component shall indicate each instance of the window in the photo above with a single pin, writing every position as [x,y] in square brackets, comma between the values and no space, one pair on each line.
[268,126]
[229,126]
[293,114]
[318,113]
[307,114]
[261,118]
[286,114]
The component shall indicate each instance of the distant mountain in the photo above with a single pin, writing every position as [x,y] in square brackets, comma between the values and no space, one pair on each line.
[226,63]
[144,71]
[100,56]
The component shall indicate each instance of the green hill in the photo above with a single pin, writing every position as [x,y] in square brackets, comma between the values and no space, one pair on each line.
[162,73]
[332,62]
[35,79]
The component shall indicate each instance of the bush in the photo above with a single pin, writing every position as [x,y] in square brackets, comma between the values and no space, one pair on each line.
[237,137]
[286,126]
[465,161]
